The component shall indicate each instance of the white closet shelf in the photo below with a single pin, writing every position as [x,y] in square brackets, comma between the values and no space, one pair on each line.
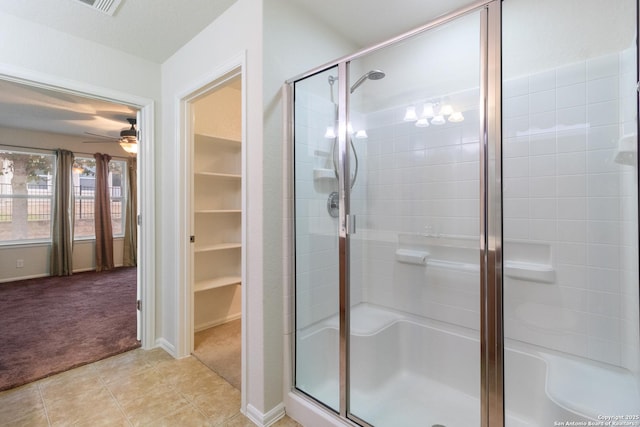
[219,175]
[217,247]
[217,211]
[218,282]
[200,137]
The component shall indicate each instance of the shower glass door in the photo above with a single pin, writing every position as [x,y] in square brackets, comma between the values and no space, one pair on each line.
[316,238]
[414,150]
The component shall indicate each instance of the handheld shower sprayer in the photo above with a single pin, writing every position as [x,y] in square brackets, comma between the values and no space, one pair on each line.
[332,204]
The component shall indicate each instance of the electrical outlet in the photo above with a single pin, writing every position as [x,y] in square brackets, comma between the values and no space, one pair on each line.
[19,263]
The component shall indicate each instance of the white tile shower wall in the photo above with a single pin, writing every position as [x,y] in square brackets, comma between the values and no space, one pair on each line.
[562,187]
[420,181]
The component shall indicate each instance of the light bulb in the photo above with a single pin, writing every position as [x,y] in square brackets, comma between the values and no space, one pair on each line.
[456,117]
[427,110]
[422,122]
[410,114]
[446,110]
[361,134]
[438,120]
[330,133]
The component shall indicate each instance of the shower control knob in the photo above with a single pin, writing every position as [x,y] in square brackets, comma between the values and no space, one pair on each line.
[333,204]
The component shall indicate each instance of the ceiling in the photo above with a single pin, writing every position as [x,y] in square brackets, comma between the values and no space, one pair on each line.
[149,29]
[33,108]
[367,22]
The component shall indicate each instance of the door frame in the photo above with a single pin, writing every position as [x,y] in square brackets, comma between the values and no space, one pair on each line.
[234,67]
[146,178]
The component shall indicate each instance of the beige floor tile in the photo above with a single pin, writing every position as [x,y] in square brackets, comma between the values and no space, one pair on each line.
[19,403]
[122,366]
[69,385]
[205,385]
[183,370]
[219,407]
[33,419]
[185,417]
[112,420]
[154,356]
[157,405]
[141,387]
[132,387]
[237,421]
[286,422]
[83,407]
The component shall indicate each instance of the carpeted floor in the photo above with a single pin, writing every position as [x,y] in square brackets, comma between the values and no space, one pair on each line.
[49,325]
[219,349]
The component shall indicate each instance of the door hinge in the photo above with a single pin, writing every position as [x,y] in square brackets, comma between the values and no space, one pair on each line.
[139,305]
[192,239]
[139,219]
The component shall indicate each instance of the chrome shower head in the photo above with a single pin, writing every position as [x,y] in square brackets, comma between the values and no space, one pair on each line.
[371,75]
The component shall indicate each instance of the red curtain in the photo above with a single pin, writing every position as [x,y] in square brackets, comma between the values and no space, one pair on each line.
[104,232]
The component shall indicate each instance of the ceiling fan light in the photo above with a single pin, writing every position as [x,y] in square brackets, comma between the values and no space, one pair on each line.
[129,147]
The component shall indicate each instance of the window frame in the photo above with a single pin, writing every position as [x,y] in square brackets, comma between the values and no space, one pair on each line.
[121,198]
[50,188]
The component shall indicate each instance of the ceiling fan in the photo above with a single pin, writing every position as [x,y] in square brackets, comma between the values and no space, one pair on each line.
[128,138]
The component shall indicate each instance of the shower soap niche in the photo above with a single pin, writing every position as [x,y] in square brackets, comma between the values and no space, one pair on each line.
[529,261]
[541,273]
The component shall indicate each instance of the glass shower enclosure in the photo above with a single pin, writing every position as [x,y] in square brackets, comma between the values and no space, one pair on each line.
[464,256]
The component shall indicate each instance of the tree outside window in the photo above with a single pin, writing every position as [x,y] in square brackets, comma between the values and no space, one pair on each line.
[25,195]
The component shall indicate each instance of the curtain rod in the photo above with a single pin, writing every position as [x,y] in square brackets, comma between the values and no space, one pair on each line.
[52,150]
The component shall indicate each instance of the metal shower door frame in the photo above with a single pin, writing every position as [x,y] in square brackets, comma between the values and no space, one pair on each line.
[490,207]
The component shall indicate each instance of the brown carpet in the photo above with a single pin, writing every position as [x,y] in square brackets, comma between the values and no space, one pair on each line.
[219,349]
[49,325]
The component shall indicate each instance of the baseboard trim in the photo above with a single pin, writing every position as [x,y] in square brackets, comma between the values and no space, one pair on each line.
[15,279]
[40,275]
[265,420]
[220,321]
[166,346]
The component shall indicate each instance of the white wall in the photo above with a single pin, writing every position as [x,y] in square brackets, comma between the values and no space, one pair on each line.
[35,48]
[236,32]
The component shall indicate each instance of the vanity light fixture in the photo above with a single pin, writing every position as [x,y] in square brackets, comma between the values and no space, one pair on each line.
[456,117]
[410,114]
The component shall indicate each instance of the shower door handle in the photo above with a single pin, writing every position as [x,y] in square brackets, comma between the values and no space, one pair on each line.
[351,224]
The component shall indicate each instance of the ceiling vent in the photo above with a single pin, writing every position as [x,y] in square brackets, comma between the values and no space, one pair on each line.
[105,6]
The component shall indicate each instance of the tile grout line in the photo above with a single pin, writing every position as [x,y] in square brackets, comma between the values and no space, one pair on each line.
[44,403]
[190,401]
[106,386]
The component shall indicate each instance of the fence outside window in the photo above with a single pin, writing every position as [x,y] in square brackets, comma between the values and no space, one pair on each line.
[39,200]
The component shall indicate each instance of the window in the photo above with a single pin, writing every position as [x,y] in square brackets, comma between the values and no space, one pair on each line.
[26,183]
[84,184]
[26,196]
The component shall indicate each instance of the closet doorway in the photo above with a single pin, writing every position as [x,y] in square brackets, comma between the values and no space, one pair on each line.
[214,117]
